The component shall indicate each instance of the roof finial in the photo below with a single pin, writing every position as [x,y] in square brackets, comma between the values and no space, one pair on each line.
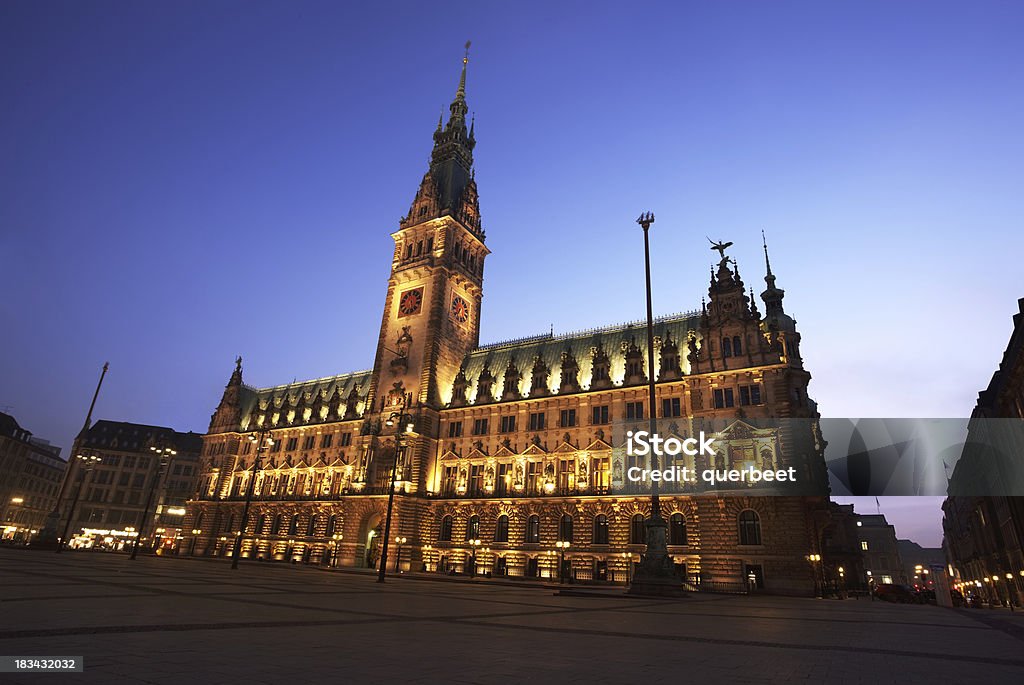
[461,93]
[769,277]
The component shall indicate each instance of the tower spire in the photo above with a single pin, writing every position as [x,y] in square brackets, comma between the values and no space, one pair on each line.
[769,277]
[460,94]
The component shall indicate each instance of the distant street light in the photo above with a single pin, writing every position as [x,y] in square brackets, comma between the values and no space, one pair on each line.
[263,439]
[164,456]
[89,463]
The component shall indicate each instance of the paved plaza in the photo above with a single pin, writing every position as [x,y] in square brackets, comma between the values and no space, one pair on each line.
[179,620]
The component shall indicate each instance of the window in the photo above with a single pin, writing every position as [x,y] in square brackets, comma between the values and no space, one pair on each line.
[864,545]
[473,528]
[332,524]
[326,440]
[637,532]
[600,529]
[346,439]
[726,347]
[275,446]
[634,410]
[293,443]
[724,398]
[293,526]
[276,526]
[737,348]
[311,526]
[309,442]
[565,528]
[533,529]
[568,418]
[501,529]
[480,427]
[670,407]
[676,529]
[139,480]
[508,424]
[455,429]
[537,421]
[750,527]
[600,414]
[750,394]
[446,529]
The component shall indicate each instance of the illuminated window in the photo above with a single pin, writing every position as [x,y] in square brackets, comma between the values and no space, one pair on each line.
[864,544]
[533,529]
[600,529]
[473,528]
[750,527]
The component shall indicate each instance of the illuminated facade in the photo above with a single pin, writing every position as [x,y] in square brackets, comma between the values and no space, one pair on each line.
[512,445]
[30,474]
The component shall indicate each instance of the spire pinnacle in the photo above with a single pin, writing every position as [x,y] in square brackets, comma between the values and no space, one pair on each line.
[769,276]
[460,94]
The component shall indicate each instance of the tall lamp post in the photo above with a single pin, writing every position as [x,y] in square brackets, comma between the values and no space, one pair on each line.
[474,545]
[163,455]
[819,581]
[654,576]
[337,537]
[89,462]
[397,419]
[562,546]
[263,439]
[399,541]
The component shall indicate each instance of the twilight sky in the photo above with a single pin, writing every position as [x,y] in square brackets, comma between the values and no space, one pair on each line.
[183,182]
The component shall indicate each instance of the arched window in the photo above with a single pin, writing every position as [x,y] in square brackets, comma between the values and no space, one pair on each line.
[750,527]
[501,529]
[473,528]
[533,529]
[231,525]
[293,527]
[600,529]
[261,524]
[311,526]
[565,528]
[726,347]
[332,523]
[676,529]
[199,521]
[276,527]
[737,347]
[446,529]
[637,534]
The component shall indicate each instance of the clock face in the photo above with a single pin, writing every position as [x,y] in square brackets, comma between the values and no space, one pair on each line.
[410,302]
[460,309]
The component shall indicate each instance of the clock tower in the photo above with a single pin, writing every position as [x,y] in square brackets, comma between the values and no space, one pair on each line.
[432,310]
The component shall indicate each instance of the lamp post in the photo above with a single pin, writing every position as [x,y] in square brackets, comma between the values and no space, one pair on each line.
[164,456]
[655,576]
[474,544]
[337,537]
[562,546]
[196,532]
[397,419]
[398,552]
[819,583]
[263,439]
[89,462]
[426,557]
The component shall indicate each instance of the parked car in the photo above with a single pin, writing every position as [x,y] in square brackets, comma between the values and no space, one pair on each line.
[890,592]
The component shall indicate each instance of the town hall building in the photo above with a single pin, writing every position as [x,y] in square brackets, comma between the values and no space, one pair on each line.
[501,451]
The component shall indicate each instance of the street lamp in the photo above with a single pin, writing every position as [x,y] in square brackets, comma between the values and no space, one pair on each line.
[164,456]
[562,546]
[473,544]
[815,560]
[397,419]
[263,439]
[427,553]
[195,536]
[89,463]
[398,552]
[337,537]
[655,576]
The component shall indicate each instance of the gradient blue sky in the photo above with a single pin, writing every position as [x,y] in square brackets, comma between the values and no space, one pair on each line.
[183,182]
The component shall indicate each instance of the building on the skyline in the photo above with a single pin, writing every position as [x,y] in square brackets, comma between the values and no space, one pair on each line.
[918,562]
[882,562]
[30,475]
[982,523]
[512,446]
[112,493]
